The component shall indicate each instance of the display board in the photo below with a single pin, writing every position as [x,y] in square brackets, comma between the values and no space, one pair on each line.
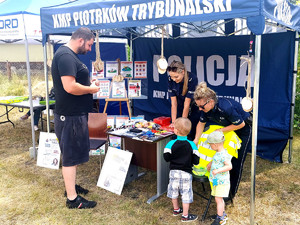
[114,170]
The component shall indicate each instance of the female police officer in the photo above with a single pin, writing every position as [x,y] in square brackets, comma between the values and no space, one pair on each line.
[227,113]
[181,87]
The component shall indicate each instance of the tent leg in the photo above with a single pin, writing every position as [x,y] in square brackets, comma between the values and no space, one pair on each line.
[293,96]
[47,87]
[254,125]
[29,88]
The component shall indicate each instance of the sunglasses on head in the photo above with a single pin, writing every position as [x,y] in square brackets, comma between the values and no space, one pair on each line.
[172,69]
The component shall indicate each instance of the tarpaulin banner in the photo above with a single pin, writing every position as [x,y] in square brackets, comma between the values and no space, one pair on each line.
[216,60]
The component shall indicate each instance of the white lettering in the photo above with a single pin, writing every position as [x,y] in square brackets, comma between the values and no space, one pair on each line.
[159,13]
[218,4]
[135,9]
[142,11]
[122,13]
[200,68]
[210,64]
[170,8]
[231,71]
[208,8]
[198,8]
[180,8]
[159,94]
[190,8]
[151,6]
[92,11]
[86,17]
[98,16]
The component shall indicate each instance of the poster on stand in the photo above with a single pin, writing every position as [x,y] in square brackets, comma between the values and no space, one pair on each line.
[104,89]
[118,89]
[134,88]
[127,69]
[114,170]
[111,69]
[48,151]
[96,74]
[140,69]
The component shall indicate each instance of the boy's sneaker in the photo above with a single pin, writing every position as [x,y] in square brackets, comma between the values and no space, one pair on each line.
[176,213]
[189,218]
[79,190]
[80,203]
[219,220]
[213,217]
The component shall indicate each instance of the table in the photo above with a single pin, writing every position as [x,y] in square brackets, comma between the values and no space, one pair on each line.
[149,155]
[21,105]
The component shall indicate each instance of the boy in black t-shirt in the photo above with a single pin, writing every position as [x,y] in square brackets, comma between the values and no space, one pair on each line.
[182,155]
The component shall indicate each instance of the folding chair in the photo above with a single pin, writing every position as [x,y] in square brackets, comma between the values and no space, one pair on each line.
[97,124]
[203,179]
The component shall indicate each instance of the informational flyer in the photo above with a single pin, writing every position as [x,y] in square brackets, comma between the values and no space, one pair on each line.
[114,170]
[96,74]
[48,151]
[110,122]
[111,69]
[134,88]
[104,89]
[127,69]
[118,89]
[140,69]
[121,120]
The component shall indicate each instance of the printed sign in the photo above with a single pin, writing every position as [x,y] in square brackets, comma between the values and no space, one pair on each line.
[48,151]
[114,170]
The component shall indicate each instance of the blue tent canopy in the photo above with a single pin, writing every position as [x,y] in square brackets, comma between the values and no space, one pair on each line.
[136,13]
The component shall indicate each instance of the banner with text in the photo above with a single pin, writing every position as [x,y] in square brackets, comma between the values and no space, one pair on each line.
[216,60]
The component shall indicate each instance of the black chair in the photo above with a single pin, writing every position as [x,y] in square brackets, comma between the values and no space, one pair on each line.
[203,180]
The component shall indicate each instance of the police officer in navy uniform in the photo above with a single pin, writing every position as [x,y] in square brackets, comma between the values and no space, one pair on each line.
[230,114]
[181,88]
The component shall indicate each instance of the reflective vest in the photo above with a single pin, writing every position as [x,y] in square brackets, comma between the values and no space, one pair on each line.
[232,143]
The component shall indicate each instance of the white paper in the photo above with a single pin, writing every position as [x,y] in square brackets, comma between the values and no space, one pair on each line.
[114,170]
[48,151]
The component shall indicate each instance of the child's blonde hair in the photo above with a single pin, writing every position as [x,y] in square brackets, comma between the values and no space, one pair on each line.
[183,125]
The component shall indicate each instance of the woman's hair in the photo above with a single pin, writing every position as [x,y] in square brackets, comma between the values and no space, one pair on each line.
[204,92]
[183,125]
[181,67]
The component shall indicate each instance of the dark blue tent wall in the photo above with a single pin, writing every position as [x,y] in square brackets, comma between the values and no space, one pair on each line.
[108,52]
[276,79]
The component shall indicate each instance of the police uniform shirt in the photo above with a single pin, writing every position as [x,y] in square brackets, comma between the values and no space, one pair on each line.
[226,112]
[175,89]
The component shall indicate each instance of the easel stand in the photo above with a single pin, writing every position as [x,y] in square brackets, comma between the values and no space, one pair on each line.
[120,100]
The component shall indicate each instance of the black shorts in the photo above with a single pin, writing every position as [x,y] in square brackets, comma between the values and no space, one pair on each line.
[73,136]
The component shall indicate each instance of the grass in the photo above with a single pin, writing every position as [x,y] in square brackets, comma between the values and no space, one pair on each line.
[34,195]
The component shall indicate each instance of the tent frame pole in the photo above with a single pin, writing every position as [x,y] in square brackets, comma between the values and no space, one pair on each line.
[29,89]
[255,124]
[293,96]
[47,85]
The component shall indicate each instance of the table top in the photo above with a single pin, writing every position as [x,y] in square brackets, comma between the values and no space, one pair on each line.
[25,104]
[142,136]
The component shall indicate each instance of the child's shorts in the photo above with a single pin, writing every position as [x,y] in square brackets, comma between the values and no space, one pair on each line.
[221,190]
[180,182]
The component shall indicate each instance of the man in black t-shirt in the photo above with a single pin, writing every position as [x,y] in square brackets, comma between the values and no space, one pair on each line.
[74,100]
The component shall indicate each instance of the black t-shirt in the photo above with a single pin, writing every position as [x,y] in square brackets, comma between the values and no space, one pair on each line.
[66,63]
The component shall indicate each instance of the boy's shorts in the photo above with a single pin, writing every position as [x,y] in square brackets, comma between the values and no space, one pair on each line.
[221,190]
[180,182]
[73,136]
